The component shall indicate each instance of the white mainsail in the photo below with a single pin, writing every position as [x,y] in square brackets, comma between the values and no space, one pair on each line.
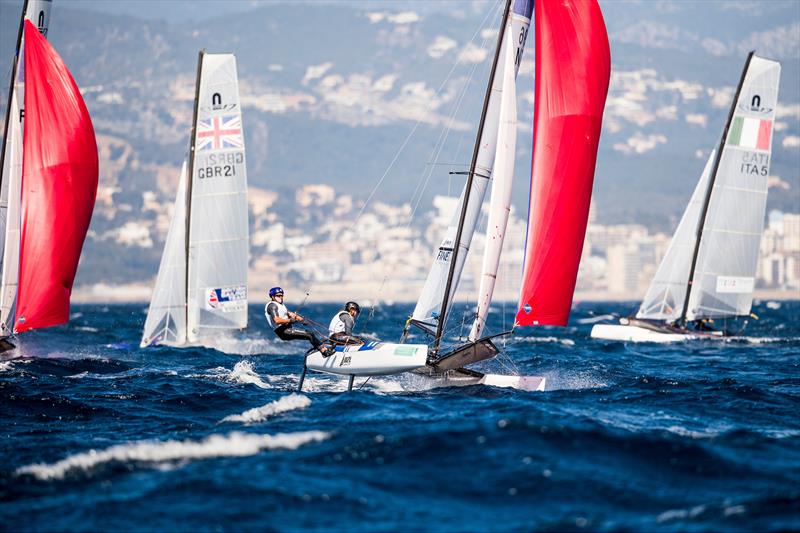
[166,317]
[9,203]
[426,313]
[218,213]
[500,202]
[38,12]
[665,296]
[727,257]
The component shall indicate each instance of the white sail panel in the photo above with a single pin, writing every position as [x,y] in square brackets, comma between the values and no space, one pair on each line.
[665,296]
[218,234]
[429,305]
[500,202]
[166,317]
[728,252]
[9,211]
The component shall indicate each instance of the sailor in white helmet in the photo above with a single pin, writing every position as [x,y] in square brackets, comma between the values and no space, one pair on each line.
[281,319]
[341,326]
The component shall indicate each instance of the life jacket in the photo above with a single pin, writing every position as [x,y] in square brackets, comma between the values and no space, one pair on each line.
[337,325]
[282,312]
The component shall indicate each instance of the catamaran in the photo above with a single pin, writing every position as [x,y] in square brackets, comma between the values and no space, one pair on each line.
[48,182]
[201,286]
[708,271]
[572,76]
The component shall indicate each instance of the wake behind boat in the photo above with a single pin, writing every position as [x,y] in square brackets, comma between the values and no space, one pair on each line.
[708,272]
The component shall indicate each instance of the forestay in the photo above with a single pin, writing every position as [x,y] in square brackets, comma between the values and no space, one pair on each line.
[218,212]
[429,306]
[166,317]
[500,202]
[667,291]
[724,276]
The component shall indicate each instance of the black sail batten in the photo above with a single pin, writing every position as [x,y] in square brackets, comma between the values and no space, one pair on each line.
[190,178]
[11,91]
[709,190]
[470,178]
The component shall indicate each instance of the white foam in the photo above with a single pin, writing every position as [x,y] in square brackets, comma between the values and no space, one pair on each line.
[761,340]
[573,381]
[258,414]
[235,444]
[87,328]
[595,319]
[773,305]
[242,372]
[318,382]
[565,342]
[5,366]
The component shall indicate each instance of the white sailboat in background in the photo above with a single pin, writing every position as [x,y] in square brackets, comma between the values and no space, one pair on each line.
[201,287]
[709,269]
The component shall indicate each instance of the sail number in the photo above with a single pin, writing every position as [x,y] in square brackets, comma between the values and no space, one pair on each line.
[220,165]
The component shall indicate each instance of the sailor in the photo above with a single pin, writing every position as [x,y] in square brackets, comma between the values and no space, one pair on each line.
[341,326]
[280,320]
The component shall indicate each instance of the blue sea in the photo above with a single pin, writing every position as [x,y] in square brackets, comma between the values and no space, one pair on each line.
[99,435]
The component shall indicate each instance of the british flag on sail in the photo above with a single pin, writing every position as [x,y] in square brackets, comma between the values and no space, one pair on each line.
[219,133]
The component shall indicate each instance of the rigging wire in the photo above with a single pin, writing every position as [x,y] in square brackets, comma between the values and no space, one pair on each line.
[411,134]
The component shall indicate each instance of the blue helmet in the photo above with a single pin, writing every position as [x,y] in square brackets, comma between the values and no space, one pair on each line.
[275,291]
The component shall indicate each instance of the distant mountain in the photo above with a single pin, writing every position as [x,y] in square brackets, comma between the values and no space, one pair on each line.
[331,91]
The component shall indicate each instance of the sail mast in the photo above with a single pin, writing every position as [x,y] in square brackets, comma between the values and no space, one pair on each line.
[707,200]
[190,177]
[470,178]
[11,90]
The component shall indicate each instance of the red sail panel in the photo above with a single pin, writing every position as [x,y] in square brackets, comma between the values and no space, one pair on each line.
[573,66]
[59,185]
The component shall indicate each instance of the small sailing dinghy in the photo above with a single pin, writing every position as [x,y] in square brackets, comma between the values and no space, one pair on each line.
[201,287]
[49,183]
[572,75]
[709,269]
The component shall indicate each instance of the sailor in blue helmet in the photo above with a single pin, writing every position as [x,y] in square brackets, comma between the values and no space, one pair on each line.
[281,319]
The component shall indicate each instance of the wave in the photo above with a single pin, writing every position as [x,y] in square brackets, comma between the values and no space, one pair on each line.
[318,382]
[242,372]
[595,319]
[258,414]
[561,340]
[761,340]
[235,444]
[5,366]
[573,381]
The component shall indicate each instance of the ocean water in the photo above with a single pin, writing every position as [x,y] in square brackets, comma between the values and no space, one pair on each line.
[98,434]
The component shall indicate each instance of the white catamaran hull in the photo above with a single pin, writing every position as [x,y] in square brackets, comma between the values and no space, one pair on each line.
[371,359]
[628,333]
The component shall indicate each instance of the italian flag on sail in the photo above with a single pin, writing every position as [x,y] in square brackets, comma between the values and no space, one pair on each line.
[750,133]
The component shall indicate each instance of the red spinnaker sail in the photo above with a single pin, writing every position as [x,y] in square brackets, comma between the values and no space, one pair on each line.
[59,185]
[573,66]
